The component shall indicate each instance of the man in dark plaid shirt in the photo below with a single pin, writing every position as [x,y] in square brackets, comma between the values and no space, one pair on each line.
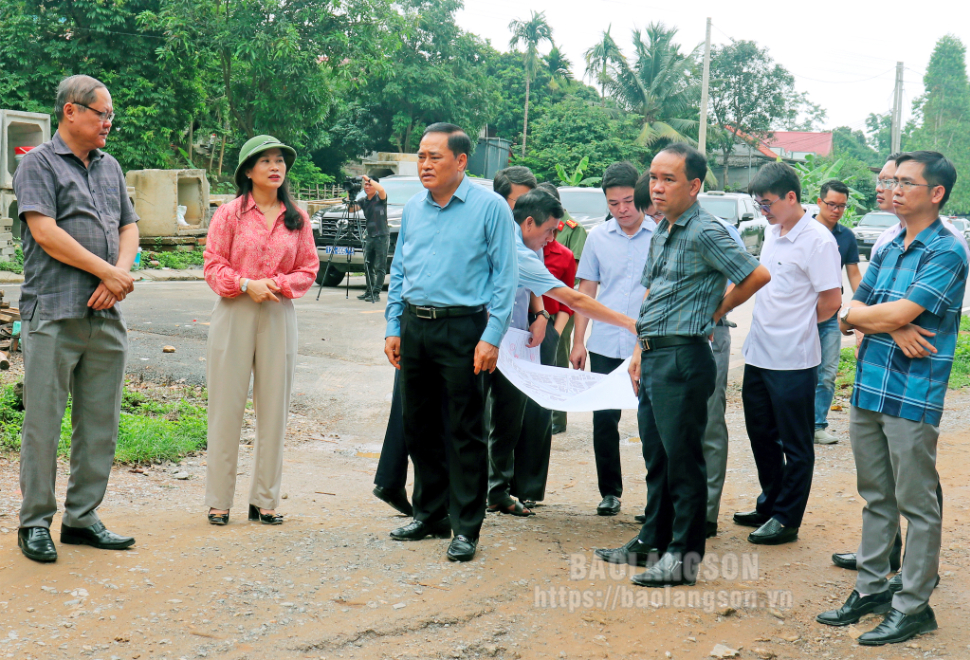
[691,258]
[908,306]
[80,241]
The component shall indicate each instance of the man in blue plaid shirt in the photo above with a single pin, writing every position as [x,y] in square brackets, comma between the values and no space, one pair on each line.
[912,290]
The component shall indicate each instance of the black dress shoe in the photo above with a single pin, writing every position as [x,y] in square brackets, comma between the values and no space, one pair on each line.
[845,560]
[398,499]
[668,572]
[898,627]
[558,428]
[751,519]
[462,548]
[36,544]
[95,536]
[417,530]
[364,296]
[710,529]
[265,518]
[218,518]
[633,553]
[610,506]
[896,583]
[857,607]
[773,533]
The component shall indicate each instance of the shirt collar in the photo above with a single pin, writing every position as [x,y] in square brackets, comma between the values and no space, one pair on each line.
[838,228]
[249,204]
[461,192]
[647,225]
[796,230]
[688,215]
[61,149]
[923,238]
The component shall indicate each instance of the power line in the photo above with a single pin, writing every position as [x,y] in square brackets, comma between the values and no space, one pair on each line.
[841,82]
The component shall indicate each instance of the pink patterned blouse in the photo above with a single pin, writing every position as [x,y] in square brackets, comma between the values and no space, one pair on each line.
[239,245]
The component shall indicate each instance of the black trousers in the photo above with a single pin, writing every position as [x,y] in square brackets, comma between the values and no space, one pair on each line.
[375,261]
[531,455]
[392,468]
[437,360]
[675,384]
[606,435]
[779,415]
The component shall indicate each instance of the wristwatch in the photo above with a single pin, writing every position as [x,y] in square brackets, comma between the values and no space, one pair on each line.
[243,284]
[844,317]
[543,312]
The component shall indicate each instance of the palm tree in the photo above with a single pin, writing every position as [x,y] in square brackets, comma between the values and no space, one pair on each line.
[598,59]
[559,67]
[662,86]
[530,33]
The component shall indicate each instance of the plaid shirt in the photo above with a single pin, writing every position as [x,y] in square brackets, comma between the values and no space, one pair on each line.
[686,272]
[933,274]
[89,203]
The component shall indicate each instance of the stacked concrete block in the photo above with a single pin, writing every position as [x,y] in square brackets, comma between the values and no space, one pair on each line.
[18,131]
[8,224]
[159,193]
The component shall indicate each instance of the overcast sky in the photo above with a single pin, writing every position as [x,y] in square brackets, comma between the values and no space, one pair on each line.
[843,54]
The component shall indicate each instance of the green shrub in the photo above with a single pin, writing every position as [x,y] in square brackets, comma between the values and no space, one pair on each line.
[15,266]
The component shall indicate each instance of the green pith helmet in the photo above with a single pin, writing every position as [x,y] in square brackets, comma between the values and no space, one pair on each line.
[261,143]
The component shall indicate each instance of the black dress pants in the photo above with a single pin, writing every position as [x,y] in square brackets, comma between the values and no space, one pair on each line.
[606,435]
[531,455]
[779,415]
[675,384]
[437,360]
[392,467]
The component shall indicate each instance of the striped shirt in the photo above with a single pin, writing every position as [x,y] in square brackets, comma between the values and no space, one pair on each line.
[932,273]
[686,273]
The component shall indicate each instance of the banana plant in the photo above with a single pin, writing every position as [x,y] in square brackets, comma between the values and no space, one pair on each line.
[577,178]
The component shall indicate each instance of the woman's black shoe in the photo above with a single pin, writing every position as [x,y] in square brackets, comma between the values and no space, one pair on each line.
[265,518]
[219,518]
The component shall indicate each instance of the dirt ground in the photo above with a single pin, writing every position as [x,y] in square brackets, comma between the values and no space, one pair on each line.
[330,583]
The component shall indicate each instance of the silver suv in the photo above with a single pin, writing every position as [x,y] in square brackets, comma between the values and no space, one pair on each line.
[739,210]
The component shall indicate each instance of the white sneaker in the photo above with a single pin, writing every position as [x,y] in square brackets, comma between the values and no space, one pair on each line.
[823,437]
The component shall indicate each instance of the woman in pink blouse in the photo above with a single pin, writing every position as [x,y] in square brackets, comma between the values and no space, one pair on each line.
[259,256]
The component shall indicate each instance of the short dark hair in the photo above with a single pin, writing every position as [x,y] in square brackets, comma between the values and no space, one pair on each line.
[549,188]
[835,186]
[777,178]
[641,193]
[695,165]
[76,89]
[937,170]
[620,175]
[458,140]
[893,156]
[517,175]
[539,205]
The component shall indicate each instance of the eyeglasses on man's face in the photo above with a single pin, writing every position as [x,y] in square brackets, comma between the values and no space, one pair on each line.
[766,206]
[835,207]
[906,186]
[104,115]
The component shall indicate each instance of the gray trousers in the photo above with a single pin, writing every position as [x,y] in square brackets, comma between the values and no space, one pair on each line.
[86,359]
[896,473]
[375,262]
[715,440]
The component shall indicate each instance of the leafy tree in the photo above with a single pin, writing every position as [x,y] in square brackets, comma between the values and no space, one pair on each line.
[661,86]
[599,59]
[559,67]
[531,34]
[942,115]
[846,142]
[749,93]
[879,134]
[817,170]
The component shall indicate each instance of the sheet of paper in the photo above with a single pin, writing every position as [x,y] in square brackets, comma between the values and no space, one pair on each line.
[514,346]
[568,390]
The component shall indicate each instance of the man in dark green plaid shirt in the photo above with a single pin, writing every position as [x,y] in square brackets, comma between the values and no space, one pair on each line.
[691,258]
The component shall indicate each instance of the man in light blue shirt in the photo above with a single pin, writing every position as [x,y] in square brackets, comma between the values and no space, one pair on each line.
[455,259]
[609,270]
[536,216]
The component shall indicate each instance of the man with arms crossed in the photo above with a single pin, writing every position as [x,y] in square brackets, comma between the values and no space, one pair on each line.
[691,258]
[917,282]
[613,257]
[453,282]
[782,353]
[80,240]
[832,200]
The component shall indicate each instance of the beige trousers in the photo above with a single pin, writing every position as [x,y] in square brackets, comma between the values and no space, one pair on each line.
[246,338]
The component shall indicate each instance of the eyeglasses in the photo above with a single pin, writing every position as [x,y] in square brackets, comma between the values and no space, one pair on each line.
[887,184]
[767,207]
[104,115]
[906,186]
[835,207]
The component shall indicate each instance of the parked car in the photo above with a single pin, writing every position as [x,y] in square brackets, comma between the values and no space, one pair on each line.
[587,205]
[962,224]
[870,227]
[739,210]
[348,249]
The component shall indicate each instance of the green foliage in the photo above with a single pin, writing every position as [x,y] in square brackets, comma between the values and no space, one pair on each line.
[815,171]
[531,34]
[578,177]
[176,260]
[15,266]
[149,429]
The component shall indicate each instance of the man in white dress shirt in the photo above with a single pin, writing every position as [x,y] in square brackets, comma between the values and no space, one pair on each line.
[782,353]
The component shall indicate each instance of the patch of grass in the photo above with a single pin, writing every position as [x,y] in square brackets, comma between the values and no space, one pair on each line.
[150,429]
[176,260]
[15,266]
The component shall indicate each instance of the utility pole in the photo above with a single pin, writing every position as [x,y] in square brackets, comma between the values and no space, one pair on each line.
[897,118]
[705,89]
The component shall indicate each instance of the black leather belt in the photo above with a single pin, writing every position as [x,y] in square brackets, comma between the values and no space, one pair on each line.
[654,343]
[433,313]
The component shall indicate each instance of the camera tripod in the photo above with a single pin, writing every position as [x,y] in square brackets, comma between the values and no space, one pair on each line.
[347,224]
